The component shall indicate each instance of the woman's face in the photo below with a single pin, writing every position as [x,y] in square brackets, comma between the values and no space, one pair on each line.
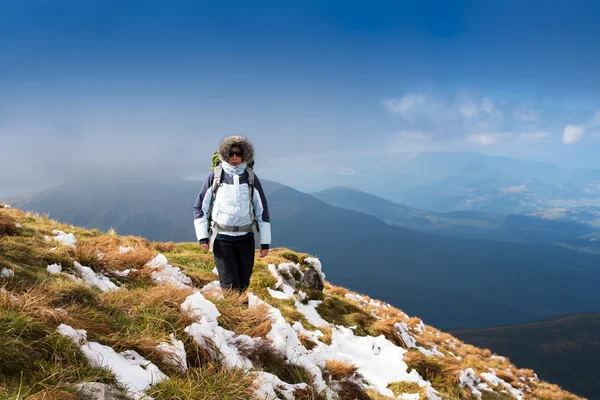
[236,156]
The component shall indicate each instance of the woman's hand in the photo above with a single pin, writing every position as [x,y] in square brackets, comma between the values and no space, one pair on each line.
[205,246]
[264,253]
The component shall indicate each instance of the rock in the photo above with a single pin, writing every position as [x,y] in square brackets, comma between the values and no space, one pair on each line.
[97,391]
[311,279]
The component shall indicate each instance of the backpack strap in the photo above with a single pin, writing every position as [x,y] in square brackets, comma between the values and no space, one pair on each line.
[251,188]
[218,176]
[216,182]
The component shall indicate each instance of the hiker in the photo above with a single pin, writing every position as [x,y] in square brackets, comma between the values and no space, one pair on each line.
[229,212]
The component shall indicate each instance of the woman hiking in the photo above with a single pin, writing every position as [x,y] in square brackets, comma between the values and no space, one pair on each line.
[230,211]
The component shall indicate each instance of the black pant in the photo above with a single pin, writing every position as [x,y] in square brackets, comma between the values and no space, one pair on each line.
[235,261]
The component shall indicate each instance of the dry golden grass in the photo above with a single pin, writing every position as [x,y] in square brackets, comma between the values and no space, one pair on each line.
[36,304]
[327,335]
[63,292]
[413,322]
[386,328]
[337,291]
[443,373]
[63,301]
[375,395]
[144,342]
[7,224]
[527,373]
[352,390]
[168,247]
[398,388]
[111,256]
[200,278]
[339,370]
[480,359]
[209,382]
[53,394]
[547,391]
[127,300]
[241,319]
[142,318]
[140,278]
[391,312]
[306,341]
[509,378]
[438,338]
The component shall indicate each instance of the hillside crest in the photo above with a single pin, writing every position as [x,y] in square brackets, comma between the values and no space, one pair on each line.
[148,320]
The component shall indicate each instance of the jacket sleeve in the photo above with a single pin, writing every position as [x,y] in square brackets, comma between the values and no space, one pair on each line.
[261,214]
[201,209]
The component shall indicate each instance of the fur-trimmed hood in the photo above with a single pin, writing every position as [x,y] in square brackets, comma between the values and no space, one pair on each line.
[240,141]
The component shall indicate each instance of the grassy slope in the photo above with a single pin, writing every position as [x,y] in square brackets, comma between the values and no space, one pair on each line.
[38,363]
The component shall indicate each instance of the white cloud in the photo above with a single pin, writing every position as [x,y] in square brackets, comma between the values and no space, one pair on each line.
[573,134]
[407,104]
[539,135]
[487,139]
[421,108]
[445,117]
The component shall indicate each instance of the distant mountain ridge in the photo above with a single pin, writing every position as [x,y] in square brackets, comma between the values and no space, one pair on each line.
[445,182]
[467,224]
[454,181]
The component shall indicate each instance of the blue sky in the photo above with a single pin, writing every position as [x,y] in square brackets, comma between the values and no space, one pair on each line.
[317,86]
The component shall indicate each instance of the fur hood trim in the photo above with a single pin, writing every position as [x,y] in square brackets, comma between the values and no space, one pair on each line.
[240,141]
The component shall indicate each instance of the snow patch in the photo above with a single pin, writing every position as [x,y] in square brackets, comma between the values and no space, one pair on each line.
[271,387]
[411,342]
[211,287]
[94,279]
[54,268]
[6,273]
[124,250]
[122,274]
[68,239]
[133,371]
[166,273]
[173,353]
[276,294]
[311,314]
[209,335]
[288,290]
[495,381]
[469,379]
[285,341]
